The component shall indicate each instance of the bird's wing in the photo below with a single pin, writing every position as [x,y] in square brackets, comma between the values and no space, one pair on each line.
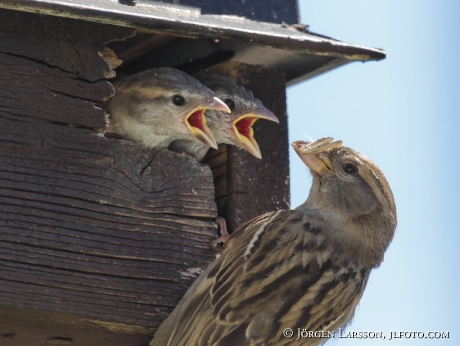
[278,272]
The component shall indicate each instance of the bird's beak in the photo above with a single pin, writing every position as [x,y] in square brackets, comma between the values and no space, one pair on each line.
[196,121]
[218,105]
[242,126]
[314,155]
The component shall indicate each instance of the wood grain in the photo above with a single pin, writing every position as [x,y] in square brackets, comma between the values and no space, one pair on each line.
[68,329]
[99,226]
[100,237]
[91,228]
[31,89]
[73,46]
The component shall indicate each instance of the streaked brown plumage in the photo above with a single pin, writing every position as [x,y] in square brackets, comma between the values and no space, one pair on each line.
[160,105]
[301,268]
[235,128]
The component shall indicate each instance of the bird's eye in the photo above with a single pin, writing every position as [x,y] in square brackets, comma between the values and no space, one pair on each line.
[230,103]
[349,168]
[178,100]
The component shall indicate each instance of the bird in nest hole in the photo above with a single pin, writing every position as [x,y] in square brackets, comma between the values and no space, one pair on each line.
[302,268]
[158,106]
[235,128]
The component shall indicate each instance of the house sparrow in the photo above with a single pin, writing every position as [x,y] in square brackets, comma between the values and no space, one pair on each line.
[157,106]
[301,268]
[235,128]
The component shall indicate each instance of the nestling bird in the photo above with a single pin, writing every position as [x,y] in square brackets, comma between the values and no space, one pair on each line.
[301,268]
[157,106]
[235,128]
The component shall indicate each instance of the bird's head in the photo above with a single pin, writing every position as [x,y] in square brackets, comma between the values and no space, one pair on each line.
[235,128]
[166,103]
[350,192]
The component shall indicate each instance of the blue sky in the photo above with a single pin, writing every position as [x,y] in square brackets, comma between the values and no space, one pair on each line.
[403,113]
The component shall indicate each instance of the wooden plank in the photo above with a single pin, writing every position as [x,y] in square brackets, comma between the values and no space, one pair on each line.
[97,229]
[74,46]
[245,186]
[96,225]
[91,228]
[26,327]
[32,89]
[54,69]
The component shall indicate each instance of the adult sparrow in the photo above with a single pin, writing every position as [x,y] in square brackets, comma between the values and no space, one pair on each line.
[160,105]
[235,128]
[303,268]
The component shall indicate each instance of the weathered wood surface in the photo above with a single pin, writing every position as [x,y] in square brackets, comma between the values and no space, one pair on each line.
[34,90]
[28,327]
[72,217]
[108,230]
[93,228]
[67,44]
[100,238]
[245,186]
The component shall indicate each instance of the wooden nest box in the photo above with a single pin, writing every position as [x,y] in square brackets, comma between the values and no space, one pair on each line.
[99,237]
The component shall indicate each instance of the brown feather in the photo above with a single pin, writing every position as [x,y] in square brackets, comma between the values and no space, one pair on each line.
[304,268]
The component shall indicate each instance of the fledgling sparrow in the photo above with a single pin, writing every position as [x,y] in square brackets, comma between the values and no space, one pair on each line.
[235,128]
[160,105]
[301,268]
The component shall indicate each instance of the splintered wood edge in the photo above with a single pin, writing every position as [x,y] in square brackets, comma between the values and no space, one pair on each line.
[109,56]
[114,61]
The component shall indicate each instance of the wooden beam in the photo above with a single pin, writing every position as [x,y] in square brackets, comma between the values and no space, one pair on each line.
[73,46]
[91,228]
[100,237]
[22,326]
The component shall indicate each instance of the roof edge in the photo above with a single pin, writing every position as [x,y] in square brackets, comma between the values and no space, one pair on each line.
[188,22]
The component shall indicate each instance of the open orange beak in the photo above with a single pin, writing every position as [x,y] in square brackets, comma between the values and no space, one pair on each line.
[196,121]
[242,126]
[313,153]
